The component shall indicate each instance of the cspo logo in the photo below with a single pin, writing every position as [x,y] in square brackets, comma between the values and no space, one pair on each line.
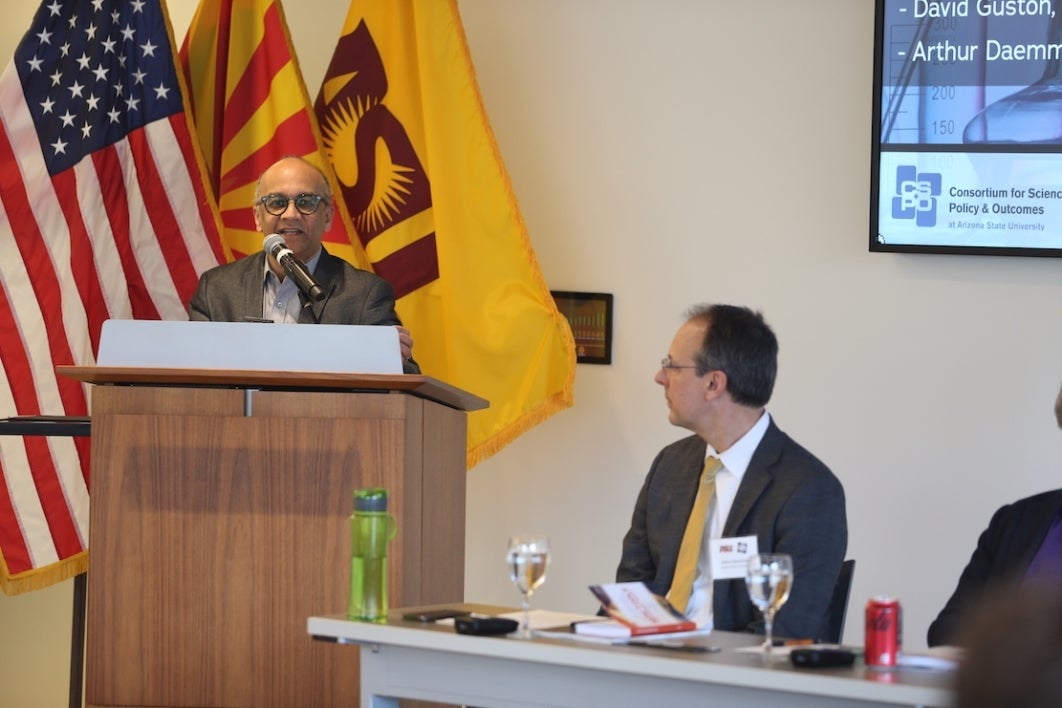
[916,195]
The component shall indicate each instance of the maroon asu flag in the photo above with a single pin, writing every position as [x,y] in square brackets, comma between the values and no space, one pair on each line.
[422,176]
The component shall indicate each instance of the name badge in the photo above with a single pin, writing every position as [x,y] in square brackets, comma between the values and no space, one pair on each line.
[730,556]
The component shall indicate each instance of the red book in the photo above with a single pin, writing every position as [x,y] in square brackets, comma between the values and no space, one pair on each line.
[633,611]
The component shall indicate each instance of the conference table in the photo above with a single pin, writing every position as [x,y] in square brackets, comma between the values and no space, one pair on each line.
[431,662]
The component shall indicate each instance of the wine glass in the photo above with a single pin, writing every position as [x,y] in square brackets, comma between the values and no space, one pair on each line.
[528,557]
[769,578]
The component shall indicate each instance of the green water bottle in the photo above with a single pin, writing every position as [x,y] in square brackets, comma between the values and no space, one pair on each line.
[371,529]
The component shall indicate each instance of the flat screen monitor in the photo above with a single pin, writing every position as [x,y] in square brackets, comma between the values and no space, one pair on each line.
[967,135]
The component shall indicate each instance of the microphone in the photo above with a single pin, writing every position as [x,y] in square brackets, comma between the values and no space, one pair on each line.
[296,269]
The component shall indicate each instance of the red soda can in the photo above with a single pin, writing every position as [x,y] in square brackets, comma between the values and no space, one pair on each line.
[883,635]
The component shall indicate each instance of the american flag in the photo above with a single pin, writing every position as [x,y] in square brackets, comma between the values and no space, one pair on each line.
[103,214]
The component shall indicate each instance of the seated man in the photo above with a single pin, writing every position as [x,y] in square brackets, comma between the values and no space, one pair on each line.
[293,199]
[717,379]
[1023,541]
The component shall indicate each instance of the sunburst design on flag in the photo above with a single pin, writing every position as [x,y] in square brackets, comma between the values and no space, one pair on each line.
[390,184]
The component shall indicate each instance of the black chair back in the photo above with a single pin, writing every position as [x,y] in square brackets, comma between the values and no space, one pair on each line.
[838,609]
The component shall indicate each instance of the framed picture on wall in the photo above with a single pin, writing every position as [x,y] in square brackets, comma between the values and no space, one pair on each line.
[590,317]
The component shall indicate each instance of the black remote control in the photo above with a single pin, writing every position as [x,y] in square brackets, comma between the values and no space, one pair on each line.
[485,625]
[821,657]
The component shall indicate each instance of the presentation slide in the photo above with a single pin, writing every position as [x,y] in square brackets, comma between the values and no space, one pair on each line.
[968,127]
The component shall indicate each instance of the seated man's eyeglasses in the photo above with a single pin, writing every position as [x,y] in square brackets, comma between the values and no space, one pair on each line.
[665,364]
[277,204]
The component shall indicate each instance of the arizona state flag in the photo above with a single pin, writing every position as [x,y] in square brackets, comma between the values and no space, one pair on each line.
[251,108]
[420,172]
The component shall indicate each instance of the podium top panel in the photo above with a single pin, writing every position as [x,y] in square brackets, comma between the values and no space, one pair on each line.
[250,345]
[415,384]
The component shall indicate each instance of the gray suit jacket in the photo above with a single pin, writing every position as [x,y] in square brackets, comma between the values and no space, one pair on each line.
[233,293]
[787,498]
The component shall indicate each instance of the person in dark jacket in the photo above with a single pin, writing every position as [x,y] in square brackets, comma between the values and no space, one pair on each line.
[293,199]
[717,378]
[1022,544]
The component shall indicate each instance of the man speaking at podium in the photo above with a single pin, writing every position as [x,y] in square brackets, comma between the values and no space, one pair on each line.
[293,199]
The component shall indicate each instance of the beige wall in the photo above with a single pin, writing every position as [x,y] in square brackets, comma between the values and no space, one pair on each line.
[685,150]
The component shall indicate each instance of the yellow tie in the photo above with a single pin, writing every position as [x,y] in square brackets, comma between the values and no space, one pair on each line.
[690,550]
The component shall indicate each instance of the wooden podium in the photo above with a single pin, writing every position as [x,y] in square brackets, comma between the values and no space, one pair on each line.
[219,523]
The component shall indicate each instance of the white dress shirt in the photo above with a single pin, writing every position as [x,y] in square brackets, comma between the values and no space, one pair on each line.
[727,480]
[280,298]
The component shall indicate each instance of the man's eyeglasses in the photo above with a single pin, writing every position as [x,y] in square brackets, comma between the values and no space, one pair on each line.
[666,364]
[277,204]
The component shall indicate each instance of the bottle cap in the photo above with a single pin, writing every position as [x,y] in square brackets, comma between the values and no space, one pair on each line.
[373,499]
